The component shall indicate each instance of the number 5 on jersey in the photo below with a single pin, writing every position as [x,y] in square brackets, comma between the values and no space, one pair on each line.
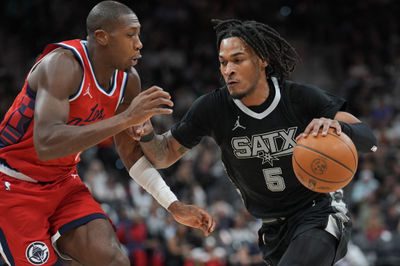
[274,181]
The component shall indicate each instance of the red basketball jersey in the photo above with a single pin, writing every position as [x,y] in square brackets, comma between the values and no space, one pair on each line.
[89,104]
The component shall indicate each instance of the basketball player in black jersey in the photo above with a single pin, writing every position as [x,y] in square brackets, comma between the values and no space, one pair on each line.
[255,119]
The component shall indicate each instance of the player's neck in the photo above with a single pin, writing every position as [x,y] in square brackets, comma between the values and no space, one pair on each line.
[258,96]
[101,69]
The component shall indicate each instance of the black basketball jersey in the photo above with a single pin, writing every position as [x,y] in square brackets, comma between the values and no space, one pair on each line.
[257,145]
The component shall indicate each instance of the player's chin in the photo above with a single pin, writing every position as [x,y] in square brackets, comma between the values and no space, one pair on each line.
[237,92]
[127,68]
[124,68]
[237,95]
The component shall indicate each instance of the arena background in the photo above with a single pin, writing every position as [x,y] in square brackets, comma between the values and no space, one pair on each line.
[351,48]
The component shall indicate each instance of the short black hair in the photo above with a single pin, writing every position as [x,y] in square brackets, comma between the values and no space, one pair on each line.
[264,40]
[104,15]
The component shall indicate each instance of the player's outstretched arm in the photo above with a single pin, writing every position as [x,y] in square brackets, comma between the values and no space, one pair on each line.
[162,150]
[55,79]
[143,173]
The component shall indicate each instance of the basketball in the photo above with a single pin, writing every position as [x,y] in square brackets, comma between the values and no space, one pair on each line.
[325,163]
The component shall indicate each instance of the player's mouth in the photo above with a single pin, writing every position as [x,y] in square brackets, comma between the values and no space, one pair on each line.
[232,83]
[135,60]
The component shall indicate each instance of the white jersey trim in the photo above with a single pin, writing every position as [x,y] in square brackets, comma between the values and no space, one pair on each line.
[83,43]
[122,90]
[12,173]
[332,227]
[54,239]
[3,254]
[76,95]
[80,58]
[267,111]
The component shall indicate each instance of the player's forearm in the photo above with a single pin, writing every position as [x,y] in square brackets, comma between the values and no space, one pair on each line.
[128,149]
[159,150]
[362,136]
[359,132]
[60,140]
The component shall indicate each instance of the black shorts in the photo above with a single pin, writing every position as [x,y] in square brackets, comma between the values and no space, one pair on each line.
[275,236]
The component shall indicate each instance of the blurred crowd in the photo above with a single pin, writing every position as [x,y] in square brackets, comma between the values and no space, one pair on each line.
[351,48]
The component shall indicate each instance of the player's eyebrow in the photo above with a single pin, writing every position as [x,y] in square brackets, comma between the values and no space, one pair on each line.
[233,55]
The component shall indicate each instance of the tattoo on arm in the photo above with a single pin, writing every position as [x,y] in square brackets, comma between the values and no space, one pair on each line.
[158,146]
[162,144]
[161,148]
[182,150]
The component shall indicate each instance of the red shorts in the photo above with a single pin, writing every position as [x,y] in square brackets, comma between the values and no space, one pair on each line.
[34,215]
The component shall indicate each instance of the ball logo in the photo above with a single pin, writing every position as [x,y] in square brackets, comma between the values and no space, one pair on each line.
[37,253]
[319,166]
[311,184]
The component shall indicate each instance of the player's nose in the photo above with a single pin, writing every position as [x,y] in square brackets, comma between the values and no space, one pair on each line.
[229,69]
[138,45]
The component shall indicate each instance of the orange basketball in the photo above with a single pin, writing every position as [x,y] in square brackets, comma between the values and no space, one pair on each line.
[325,164]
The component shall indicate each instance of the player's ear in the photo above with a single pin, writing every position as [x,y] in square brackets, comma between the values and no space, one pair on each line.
[101,37]
[264,63]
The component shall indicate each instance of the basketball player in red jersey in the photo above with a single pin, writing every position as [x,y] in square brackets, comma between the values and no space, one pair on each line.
[78,94]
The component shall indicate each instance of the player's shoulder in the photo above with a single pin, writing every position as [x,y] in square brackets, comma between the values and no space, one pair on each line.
[134,79]
[210,101]
[217,95]
[61,61]
[61,56]
[133,74]
[58,68]
[217,98]
[296,86]
[299,91]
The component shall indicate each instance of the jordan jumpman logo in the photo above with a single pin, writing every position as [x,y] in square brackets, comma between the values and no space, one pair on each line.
[238,125]
[87,92]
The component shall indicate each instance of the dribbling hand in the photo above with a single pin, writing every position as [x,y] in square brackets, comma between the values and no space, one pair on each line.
[136,132]
[317,124]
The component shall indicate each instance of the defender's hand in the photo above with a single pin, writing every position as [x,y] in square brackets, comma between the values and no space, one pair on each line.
[192,216]
[136,132]
[147,104]
[316,124]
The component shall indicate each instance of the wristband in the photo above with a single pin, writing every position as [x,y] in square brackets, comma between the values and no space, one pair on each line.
[147,137]
[361,135]
[150,179]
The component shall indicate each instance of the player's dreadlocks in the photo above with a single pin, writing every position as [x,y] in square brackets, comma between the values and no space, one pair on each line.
[265,41]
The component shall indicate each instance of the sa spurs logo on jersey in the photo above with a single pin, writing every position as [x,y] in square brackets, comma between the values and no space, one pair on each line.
[37,253]
[267,146]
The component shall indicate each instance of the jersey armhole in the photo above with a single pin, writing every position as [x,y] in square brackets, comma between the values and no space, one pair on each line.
[80,60]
